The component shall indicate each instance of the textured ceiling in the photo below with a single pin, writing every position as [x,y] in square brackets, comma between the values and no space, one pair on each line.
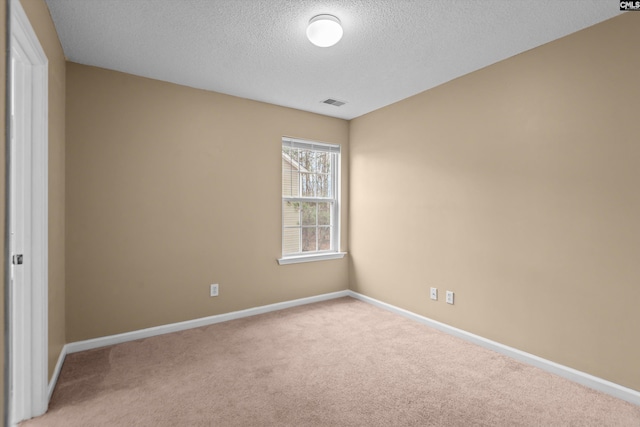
[257,49]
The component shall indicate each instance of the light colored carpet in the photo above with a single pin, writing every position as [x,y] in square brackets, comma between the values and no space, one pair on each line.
[337,363]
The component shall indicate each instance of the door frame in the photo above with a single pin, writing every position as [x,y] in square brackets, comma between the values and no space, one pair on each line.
[28,313]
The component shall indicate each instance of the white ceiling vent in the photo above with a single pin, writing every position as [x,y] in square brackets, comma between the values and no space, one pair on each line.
[334,102]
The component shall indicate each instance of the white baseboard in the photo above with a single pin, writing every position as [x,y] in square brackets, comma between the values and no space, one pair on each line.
[56,371]
[579,377]
[574,375]
[196,323]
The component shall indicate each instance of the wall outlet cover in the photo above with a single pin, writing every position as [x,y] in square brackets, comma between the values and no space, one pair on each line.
[213,290]
[433,294]
[449,297]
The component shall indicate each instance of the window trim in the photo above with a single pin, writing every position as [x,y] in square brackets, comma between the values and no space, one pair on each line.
[319,256]
[335,252]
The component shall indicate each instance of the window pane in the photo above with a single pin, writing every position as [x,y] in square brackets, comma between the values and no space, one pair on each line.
[309,213]
[290,172]
[309,239]
[324,213]
[323,185]
[307,184]
[323,162]
[291,241]
[324,238]
[295,156]
[305,159]
[290,180]
[291,214]
[311,160]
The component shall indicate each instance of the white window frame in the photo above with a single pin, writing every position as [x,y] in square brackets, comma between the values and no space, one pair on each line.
[334,252]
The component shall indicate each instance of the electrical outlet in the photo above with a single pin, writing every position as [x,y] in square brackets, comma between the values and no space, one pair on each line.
[449,297]
[434,294]
[213,290]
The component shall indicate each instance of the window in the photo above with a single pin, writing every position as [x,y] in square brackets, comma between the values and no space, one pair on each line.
[310,201]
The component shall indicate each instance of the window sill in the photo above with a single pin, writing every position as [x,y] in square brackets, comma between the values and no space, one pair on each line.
[311,258]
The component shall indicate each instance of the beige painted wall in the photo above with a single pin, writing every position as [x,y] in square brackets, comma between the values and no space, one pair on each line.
[516,187]
[41,21]
[170,189]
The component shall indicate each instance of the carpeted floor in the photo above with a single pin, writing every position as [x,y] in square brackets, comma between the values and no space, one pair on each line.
[336,363]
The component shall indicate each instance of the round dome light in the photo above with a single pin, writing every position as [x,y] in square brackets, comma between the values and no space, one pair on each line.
[324,30]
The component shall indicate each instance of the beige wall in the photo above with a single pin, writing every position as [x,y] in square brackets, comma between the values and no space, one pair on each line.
[516,187]
[38,15]
[170,189]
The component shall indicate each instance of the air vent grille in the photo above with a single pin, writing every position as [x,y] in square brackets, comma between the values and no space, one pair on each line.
[334,102]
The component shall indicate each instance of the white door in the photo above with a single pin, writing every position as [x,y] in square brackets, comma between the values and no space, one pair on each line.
[19,208]
[28,221]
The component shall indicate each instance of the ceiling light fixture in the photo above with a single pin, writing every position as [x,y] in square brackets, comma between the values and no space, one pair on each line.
[324,30]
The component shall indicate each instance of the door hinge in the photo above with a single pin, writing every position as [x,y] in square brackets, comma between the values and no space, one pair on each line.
[17,259]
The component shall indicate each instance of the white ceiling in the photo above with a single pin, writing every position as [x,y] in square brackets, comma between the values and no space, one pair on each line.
[257,49]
